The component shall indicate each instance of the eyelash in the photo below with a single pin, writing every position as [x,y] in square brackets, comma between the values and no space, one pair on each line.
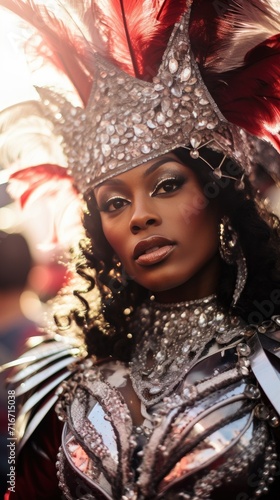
[178,181]
[105,206]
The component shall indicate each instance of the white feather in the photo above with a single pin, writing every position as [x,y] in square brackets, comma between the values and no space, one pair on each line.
[27,138]
[247,23]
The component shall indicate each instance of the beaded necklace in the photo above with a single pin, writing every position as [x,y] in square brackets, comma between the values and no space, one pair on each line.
[171,338]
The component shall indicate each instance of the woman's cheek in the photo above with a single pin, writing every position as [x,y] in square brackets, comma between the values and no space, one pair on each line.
[193,208]
[108,232]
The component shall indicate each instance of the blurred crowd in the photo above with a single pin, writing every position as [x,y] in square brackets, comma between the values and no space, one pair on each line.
[23,285]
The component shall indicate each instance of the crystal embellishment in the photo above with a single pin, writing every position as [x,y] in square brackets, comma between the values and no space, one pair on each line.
[171,339]
[129,121]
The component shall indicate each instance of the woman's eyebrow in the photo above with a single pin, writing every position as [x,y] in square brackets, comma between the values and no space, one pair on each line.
[156,165]
[114,181]
[110,182]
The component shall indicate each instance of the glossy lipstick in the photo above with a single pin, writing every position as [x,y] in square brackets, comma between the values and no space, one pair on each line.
[152,250]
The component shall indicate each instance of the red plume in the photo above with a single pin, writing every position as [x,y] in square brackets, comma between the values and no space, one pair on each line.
[250,96]
[62,41]
[48,190]
[25,182]
[130,33]
[134,34]
[237,47]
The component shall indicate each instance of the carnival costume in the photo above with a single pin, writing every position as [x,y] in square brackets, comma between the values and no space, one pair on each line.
[210,399]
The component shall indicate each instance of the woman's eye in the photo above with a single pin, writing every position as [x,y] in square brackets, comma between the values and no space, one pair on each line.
[113,204]
[168,186]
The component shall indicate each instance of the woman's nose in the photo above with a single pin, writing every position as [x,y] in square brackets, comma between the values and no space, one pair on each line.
[144,215]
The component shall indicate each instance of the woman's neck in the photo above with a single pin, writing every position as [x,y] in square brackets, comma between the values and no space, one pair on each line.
[202,284]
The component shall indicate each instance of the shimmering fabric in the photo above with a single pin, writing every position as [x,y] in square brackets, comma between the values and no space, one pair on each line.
[206,438]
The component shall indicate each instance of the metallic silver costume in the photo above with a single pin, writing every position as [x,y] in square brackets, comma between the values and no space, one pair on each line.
[212,435]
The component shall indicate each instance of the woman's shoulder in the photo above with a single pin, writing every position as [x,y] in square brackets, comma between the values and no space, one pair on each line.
[35,467]
[36,375]
[264,359]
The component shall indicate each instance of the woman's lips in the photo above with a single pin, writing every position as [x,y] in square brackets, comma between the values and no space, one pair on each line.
[154,256]
[152,250]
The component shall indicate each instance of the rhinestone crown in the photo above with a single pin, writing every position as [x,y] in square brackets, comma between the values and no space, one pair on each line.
[129,121]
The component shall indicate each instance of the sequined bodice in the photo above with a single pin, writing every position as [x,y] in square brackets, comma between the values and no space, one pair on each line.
[207,432]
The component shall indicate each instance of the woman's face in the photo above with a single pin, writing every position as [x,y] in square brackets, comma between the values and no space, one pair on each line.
[162,228]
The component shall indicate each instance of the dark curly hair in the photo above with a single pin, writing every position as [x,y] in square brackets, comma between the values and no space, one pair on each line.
[259,235]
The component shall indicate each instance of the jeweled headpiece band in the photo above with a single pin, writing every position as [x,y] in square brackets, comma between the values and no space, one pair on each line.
[128,121]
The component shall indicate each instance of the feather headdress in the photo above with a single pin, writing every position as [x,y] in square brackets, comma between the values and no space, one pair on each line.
[240,62]
[156,75]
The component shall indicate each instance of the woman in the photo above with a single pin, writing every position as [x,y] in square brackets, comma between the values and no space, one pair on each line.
[188,388]
[171,400]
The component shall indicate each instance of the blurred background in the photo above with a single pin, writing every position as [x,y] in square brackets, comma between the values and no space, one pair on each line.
[38,228]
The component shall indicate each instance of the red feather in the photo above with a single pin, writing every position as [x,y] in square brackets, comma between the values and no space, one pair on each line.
[25,182]
[250,96]
[134,34]
[48,189]
[247,94]
[62,41]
